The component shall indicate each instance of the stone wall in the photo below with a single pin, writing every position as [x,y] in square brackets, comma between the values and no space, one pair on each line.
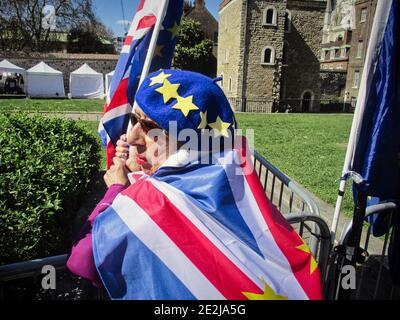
[230,30]
[64,62]
[303,45]
[332,84]
[263,80]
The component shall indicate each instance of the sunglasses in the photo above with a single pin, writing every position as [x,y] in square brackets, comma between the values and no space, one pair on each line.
[146,125]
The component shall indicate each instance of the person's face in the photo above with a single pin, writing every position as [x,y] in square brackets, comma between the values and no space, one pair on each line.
[150,145]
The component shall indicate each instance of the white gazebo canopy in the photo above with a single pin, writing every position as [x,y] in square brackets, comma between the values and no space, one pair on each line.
[7,66]
[44,81]
[86,83]
[109,77]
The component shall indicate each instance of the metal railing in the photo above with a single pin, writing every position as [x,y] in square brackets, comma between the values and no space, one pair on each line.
[298,207]
[373,276]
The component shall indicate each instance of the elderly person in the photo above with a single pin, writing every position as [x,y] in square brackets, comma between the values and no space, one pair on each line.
[194,222]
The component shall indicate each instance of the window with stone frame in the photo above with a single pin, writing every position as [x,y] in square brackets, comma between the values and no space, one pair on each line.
[268,56]
[343,52]
[363,15]
[270,16]
[356,79]
[360,47]
[288,21]
[230,84]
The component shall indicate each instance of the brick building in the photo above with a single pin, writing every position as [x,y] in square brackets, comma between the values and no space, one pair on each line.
[268,53]
[364,16]
[339,23]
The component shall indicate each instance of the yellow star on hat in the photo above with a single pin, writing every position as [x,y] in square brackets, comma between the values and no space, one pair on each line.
[174,30]
[168,90]
[220,126]
[185,105]
[159,79]
[313,263]
[203,120]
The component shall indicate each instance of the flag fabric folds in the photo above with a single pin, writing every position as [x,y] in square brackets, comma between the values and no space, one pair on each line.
[201,231]
[120,96]
[376,153]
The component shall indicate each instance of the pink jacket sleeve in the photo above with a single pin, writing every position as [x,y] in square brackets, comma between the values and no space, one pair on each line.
[81,261]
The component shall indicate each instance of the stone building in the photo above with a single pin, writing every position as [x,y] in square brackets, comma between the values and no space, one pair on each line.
[364,17]
[339,23]
[268,53]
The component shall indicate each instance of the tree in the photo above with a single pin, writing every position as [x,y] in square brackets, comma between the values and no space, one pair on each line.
[192,51]
[21,22]
[90,38]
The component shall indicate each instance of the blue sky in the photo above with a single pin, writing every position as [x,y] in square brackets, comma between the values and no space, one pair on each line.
[110,12]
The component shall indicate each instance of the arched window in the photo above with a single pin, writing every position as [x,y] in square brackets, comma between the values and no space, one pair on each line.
[268,55]
[269,16]
[230,84]
[288,21]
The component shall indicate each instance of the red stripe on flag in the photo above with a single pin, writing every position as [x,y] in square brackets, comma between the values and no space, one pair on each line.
[146,22]
[120,97]
[128,40]
[141,4]
[285,236]
[110,154]
[215,266]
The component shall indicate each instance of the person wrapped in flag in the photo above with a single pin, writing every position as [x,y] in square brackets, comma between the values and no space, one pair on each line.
[194,223]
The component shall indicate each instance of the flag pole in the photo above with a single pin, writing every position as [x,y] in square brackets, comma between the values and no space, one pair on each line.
[369,66]
[150,52]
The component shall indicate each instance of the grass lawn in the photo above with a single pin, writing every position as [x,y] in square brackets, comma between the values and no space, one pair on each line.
[55,105]
[309,148]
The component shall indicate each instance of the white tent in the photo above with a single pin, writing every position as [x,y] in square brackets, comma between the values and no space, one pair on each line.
[86,83]
[109,77]
[44,81]
[7,66]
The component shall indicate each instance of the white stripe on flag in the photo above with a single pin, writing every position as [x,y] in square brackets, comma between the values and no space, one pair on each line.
[260,230]
[117,112]
[143,227]
[275,270]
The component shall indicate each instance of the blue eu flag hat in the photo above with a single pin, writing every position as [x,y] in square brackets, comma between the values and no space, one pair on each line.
[192,100]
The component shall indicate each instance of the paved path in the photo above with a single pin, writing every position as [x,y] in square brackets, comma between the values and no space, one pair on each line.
[88,116]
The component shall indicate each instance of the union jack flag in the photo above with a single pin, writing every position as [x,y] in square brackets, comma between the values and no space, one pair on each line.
[121,94]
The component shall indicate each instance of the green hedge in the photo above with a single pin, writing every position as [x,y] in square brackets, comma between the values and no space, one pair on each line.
[46,167]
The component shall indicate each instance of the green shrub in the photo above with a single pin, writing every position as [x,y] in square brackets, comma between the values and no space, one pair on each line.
[46,166]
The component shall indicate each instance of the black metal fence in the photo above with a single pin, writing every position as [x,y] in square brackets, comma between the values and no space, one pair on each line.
[265,105]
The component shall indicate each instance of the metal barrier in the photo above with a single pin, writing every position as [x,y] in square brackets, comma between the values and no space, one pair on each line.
[299,209]
[373,278]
